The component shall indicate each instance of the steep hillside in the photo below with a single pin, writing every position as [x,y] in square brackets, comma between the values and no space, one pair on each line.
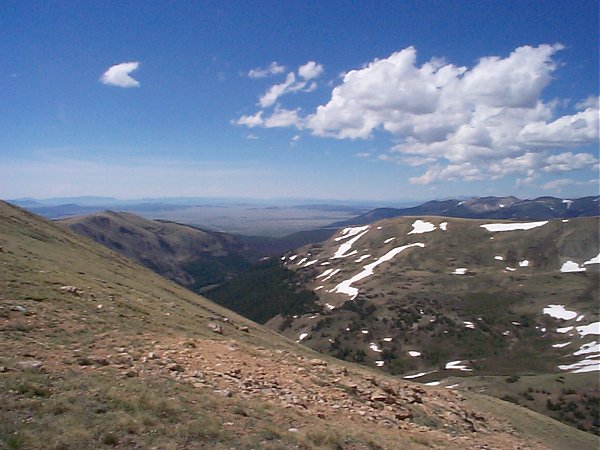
[194,258]
[98,352]
[541,208]
[186,255]
[429,298]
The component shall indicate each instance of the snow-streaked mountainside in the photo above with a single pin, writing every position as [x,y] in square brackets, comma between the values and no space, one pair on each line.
[509,308]
[489,208]
[431,296]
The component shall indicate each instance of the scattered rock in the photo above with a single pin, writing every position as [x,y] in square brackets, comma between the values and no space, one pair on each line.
[132,373]
[174,367]
[215,327]
[317,362]
[403,415]
[19,308]
[223,392]
[29,365]
[153,355]
[378,396]
[245,329]
[71,290]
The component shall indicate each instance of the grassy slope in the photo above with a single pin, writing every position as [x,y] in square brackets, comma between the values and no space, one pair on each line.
[98,389]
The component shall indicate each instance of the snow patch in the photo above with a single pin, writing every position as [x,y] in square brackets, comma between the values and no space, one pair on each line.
[421,226]
[469,325]
[329,306]
[310,263]
[364,331]
[362,258]
[594,260]
[587,365]
[443,226]
[433,383]
[318,287]
[499,258]
[351,231]
[559,312]
[592,328]
[414,354]
[379,363]
[579,318]
[510,269]
[374,347]
[418,375]
[345,287]
[561,345]
[590,347]
[331,274]
[564,330]
[456,365]
[494,227]
[387,339]
[524,263]
[357,232]
[389,240]
[302,336]
[324,274]
[459,271]
[568,203]
[571,266]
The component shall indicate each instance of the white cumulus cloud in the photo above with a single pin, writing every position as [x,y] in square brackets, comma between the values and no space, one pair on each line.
[310,70]
[119,75]
[487,121]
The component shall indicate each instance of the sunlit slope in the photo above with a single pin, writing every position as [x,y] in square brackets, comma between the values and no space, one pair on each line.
[452,289]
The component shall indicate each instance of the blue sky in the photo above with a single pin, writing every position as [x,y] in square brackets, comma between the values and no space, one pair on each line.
[381,100]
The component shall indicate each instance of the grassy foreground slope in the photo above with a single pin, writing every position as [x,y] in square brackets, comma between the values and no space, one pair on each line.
[98,352]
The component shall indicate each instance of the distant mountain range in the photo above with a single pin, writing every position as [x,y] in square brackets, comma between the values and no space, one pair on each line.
[541,208]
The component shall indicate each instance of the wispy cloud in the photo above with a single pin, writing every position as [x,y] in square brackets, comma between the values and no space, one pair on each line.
[274,92]
[558,185]
[118,75]
[262,72]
